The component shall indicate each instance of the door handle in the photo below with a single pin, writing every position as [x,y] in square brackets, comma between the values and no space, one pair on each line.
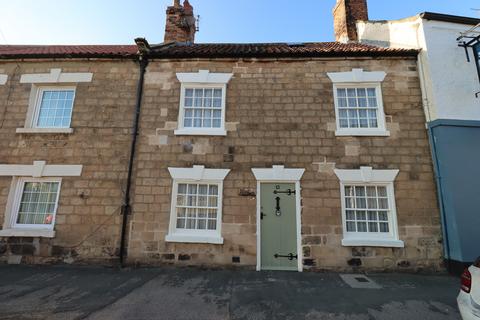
[290,256]
[262,215]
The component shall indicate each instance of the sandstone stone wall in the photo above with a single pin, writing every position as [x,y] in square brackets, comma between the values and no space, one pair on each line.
[88,221]
[281,112]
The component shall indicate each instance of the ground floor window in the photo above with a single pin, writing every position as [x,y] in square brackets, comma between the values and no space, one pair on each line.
[197,206]
[368,207]
[196,210]
[37,203]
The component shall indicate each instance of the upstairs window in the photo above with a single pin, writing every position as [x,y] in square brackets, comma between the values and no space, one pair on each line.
[203,108]
[52,98]
[202,103]
[53,108]
[357,107]
[358,103]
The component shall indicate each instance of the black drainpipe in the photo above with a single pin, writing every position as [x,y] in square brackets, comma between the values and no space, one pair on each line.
[126,207]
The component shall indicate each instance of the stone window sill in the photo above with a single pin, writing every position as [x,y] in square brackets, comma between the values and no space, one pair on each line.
[197,132]
[44,130]
[373,243]
[362,133]
[27,233]
[182,238]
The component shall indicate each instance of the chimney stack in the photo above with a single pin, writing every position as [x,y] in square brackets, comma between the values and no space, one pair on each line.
[345,16]
[180,25]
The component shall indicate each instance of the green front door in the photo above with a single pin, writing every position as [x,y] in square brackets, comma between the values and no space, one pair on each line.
[278,226]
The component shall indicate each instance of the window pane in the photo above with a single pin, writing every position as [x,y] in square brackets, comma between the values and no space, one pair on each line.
[362,227]
[351,226]
[372,203]
[189,93]
[342,93]
[361,215]
[384,227]
[383,203]
[350,215]
[371,191]
[202,202]
[38,202]
[357,107]
[206,102]
[382,216]
[382,191]
[362,205]
[55,108]
[349,191]
[350,203]
[343,123]
[212,201]
[213,190]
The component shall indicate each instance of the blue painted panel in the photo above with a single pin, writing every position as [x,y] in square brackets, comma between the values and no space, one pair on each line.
[457,152]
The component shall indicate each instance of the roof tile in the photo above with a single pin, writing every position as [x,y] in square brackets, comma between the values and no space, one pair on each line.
[204,50]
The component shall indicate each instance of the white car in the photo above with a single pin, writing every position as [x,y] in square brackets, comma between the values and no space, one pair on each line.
[469,298]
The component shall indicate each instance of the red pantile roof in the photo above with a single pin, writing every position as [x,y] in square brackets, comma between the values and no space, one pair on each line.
[312,49]
[220,50]
[26,51]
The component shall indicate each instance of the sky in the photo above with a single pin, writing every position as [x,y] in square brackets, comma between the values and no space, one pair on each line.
[120,21]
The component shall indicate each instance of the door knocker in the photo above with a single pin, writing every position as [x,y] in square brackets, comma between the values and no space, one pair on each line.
[278,212]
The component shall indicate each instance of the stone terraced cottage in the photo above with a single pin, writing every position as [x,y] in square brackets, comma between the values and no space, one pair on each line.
[308,156]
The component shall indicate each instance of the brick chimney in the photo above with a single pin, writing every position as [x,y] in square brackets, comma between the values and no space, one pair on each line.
[180,25]
[345,16]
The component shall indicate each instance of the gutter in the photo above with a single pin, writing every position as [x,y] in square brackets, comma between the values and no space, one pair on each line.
[126,206]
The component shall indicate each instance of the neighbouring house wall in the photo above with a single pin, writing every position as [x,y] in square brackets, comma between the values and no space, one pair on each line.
[457,165]
[454,80]
[88,220]
[450,81]
[449,86]
[281,112]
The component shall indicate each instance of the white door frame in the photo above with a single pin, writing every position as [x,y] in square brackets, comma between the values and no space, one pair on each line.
[278,174]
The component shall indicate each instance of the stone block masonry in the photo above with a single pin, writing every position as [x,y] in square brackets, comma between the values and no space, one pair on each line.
[88,220]
[283,112]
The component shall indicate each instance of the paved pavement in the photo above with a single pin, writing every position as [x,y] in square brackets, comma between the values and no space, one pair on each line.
[180,294]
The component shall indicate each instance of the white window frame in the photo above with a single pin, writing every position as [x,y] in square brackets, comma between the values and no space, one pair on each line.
[18,197]
[357,78]
[202,80]
[196,175]
[366,176]
[38,104]
[55,80]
